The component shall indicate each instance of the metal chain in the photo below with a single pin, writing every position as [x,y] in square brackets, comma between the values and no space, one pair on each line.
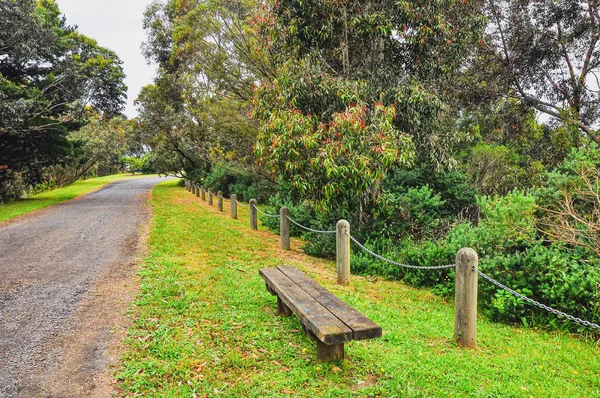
[310,229]
[265,214]
[537,304]
[241,204]
[399,264]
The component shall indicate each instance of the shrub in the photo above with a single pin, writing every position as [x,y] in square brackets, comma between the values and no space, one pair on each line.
[230,181]
[510,252]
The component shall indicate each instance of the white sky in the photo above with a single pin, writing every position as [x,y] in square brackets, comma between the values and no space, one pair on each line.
[117,25]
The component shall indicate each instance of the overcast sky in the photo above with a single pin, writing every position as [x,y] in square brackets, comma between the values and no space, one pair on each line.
[117,25]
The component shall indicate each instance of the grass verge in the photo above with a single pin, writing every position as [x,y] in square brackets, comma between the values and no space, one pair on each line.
[36,202]
[205,326]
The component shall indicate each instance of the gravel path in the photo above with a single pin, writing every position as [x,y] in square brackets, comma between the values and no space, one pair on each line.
[52,264]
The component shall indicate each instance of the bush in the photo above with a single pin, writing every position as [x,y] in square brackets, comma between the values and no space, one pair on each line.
[510,252]
[230,181]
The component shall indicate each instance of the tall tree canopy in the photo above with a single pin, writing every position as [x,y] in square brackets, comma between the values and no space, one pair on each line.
[546,53]
[195,114]
[50,77]
[361,87]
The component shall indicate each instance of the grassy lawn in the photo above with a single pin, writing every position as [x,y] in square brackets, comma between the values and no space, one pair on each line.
[206,326]
[36,202]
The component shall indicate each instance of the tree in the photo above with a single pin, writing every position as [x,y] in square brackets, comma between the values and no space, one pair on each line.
[360,89]
[570,201]
[546,54]
[195,114]
[50,78]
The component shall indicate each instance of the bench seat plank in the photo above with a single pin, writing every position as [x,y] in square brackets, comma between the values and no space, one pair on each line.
[362,327]
[318,319]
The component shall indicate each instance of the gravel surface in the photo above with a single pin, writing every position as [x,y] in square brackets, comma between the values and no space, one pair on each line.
[50,263]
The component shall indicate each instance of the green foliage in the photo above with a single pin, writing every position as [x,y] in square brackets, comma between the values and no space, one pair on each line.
[139,164]
[545,53]
[398,116]
[415,212]
[204,322]
[508,222]
[195,116]
[227,179]
[50,76]
[494,169]
[570,201]
[510,252]
[334,162]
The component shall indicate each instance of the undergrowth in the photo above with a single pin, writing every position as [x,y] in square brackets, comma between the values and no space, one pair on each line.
[206,326]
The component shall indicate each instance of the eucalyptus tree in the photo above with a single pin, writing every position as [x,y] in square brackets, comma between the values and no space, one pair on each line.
[362,87]
[546,53]
[195,114]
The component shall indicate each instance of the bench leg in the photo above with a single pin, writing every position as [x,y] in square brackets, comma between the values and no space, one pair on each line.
[270,290]
[282,309]
[328,353]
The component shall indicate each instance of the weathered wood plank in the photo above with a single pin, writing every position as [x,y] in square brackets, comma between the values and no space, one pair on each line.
[329,353]
[362,327]
[320,321]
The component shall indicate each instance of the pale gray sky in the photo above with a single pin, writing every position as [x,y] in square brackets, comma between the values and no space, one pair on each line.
[117,25]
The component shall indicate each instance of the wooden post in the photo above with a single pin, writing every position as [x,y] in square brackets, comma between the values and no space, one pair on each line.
[197,190]
[202,194]
[282,309]
[329,353]
[220,201]
[342,246]
[210,199]
[187,184]
[465,315]
[234,207]
[284,228]
[253,219]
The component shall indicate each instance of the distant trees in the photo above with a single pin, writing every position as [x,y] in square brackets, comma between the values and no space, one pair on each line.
[51,77]
[195,114]
[546,53]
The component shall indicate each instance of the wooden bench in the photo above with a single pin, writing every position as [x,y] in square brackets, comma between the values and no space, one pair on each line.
[325,318]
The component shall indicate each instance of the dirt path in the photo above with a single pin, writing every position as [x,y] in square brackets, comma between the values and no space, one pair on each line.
[66,276]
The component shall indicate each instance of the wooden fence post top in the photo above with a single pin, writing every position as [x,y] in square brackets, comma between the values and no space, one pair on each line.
[467,255]
[342,225]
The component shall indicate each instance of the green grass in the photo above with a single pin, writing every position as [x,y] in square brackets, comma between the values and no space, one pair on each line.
[49,198]
[206,326]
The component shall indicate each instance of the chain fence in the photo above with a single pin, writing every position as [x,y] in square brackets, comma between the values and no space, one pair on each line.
[266,214]
[310,229]
[538,304]
[380,257]
[241,204]
[483,275]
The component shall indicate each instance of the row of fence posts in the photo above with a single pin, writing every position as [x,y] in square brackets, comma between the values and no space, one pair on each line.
[465,315]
